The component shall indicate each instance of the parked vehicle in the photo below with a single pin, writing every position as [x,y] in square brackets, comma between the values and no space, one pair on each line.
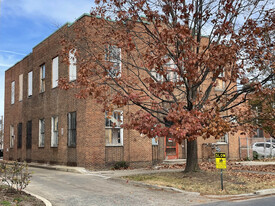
[262,149]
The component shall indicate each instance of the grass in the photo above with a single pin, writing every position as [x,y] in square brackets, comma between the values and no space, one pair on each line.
[208,182]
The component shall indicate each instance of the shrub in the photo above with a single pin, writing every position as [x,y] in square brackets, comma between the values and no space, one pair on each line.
[15,175]
[121,164]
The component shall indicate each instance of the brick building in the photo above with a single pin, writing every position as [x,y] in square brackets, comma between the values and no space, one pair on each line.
[48,125]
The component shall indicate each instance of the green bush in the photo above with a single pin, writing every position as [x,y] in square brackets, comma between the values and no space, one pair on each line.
[121,164]
[15,175]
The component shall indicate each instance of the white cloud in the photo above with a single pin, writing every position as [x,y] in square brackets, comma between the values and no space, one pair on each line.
[59,11]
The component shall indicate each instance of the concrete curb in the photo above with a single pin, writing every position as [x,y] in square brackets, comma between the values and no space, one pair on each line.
[79,170]
[46,202]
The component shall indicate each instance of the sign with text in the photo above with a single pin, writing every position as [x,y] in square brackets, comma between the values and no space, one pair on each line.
[220,160]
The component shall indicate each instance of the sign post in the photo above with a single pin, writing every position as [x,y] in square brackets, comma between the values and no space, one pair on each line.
[221,164]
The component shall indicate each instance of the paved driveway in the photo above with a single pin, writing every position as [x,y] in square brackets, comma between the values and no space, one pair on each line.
[65,188]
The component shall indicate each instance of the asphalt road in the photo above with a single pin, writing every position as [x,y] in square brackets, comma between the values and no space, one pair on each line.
[64,188]
[263,201]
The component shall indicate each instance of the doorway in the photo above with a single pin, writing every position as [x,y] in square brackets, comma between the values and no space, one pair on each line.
[171,148]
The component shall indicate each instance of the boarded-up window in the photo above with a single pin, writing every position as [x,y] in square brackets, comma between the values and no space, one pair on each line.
[30,84]
[72,65]
[113,130]
[42,78]
[20,98]
[54,136]
[29,135]
[11,136]
[19,135]
[41,133]
[12,92]
[72,129]
[55,72]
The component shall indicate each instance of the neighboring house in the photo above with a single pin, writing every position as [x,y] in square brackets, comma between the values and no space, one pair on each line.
[48,125]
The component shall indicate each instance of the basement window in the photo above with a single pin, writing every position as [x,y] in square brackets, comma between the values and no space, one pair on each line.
[113,130]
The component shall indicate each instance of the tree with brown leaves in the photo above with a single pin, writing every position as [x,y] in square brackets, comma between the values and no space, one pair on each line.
[183,66]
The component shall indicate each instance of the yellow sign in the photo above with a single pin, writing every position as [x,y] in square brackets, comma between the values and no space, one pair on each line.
[220,160]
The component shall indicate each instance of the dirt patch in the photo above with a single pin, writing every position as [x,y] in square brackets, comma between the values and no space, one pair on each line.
[11,198]
[207,181]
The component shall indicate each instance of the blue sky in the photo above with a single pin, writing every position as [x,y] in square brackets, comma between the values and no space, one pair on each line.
[25,23]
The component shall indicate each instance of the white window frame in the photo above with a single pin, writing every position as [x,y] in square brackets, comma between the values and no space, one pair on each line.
[223,139]
[30,84]
[115,60]
[12,137]
[114,123]
[72,65]
[20,97]
[42,78]
[55,72]
[41,141]
[12,92]
[54,133]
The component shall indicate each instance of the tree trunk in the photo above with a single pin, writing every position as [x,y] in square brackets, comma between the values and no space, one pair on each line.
[192,157]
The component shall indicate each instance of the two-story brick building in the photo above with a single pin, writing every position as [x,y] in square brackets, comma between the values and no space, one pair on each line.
[48,125]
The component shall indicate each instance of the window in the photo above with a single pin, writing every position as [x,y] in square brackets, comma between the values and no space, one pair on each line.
[29,135]
[113,130]
[220,82]
[72,65]
[54,136]
[223,139]
[41,133]
[11,136]
[155,141]
[72,129]
[20,87]
[259,133]
[30,84]
[55,72]
[42,78]
[113,55]
[19,135]
[12,92]
[171,76]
